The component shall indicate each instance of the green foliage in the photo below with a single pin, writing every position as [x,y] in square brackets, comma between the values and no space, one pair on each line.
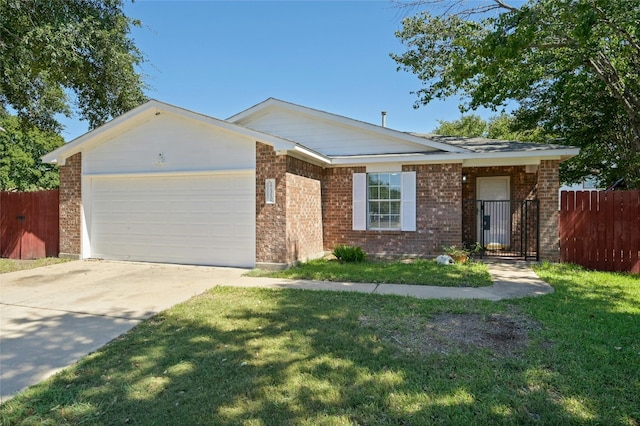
[573,69]
[466,126]
[347,253]
[58,53]
[503,127]
[21,146]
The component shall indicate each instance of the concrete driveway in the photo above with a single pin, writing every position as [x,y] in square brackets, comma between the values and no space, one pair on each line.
[52,316]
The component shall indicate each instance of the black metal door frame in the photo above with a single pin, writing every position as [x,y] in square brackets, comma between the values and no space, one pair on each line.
[506,228]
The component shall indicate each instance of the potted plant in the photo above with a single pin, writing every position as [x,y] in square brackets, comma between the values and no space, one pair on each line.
[460,254]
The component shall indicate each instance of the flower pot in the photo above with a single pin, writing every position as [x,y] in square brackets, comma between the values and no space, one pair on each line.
[460,258]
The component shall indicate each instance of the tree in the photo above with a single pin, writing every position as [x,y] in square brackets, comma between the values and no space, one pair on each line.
[501,126]
[57,56]
[467,125]
[21,146]
[571,66]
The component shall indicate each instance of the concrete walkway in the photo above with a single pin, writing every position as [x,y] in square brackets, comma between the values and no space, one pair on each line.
[511,279]
[52,316]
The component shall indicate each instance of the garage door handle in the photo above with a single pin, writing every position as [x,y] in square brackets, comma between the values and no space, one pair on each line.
[21,218]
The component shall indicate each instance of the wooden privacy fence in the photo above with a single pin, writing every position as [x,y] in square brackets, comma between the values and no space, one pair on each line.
[601,230]
[29,224]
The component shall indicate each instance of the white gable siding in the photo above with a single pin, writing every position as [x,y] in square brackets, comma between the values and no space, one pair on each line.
[168,143]
[329,138]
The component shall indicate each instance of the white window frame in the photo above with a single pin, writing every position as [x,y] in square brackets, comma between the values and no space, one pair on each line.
[383,221]
[407,203]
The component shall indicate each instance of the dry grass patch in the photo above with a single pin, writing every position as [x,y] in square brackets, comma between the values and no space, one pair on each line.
[12,265]
[504,334]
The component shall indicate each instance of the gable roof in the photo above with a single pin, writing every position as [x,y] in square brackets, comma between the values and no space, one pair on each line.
[271,104]
[152,108]
[416,147]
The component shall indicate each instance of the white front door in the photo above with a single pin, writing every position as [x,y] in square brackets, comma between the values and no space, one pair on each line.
[494,211]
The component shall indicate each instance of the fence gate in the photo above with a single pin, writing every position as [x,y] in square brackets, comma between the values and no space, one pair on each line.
[505,228]
[29,224]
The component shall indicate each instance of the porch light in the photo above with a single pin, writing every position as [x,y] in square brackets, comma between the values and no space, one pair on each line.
[464,178]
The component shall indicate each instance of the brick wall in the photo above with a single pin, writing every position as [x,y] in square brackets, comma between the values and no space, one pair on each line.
[438,207]
[271,219]
[302,168]
[304,218]
[313,208]
[521,182]
[70,207]
[291,229]
[548,193]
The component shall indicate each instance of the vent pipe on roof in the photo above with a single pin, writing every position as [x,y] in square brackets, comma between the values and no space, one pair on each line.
[384,118]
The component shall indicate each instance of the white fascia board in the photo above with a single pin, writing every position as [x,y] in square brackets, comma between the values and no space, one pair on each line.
[397,158]
[467,159]
[518,157]
[303,153]
[503,161]
[312,154]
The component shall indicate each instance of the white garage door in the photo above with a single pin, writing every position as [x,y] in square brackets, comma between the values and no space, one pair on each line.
[201,220]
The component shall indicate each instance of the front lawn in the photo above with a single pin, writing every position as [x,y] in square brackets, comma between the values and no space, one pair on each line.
[418,272]
[268,357]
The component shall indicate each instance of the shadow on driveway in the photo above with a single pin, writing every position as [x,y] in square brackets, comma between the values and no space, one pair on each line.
[52,316]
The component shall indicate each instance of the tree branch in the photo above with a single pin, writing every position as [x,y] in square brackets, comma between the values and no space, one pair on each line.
[456,7]
[630,102]
[621,31]
[503,5]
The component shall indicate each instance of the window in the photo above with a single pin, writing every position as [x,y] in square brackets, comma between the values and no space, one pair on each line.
[383,200]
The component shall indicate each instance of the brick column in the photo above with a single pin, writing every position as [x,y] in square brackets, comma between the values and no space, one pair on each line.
[71,207]
[271,219]
[548,190]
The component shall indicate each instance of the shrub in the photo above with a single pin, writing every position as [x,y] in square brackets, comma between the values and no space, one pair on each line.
[346,253]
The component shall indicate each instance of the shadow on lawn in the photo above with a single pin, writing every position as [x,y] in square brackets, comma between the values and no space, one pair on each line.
[235,356]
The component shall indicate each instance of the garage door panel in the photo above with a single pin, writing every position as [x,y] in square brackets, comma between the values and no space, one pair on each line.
[197,220]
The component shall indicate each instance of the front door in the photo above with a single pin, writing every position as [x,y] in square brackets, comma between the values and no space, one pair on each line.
[494,212]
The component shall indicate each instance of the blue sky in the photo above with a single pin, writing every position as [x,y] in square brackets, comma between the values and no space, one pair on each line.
[219,58]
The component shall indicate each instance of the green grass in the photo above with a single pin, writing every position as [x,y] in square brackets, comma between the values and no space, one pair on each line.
[418,272]
[11,265]
[269,357]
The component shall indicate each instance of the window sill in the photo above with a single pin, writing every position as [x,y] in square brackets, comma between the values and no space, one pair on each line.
[383,230]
